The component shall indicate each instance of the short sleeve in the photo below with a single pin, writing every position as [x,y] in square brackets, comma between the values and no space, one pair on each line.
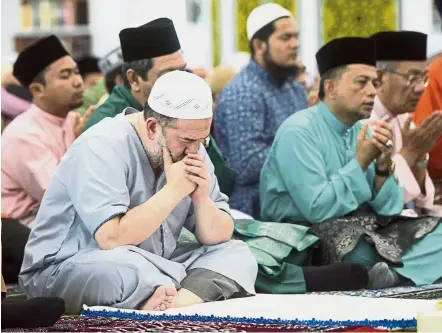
[96,180]
[219,198]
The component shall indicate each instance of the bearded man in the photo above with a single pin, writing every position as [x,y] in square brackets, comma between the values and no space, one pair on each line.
[258,100]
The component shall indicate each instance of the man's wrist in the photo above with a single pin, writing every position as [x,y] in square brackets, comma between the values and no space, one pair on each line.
[410,156]
[384,169]
[172,193]
[422,163]
[203,201]
[363,164]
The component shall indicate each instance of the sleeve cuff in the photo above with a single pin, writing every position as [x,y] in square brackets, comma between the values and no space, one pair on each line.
[353,173]
[389,200]
[426,201]
[406,179]
[111,216]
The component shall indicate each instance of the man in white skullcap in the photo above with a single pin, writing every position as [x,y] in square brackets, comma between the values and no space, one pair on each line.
[107,230]
[258,100]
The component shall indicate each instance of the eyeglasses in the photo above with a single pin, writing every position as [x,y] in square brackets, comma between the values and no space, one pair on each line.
[412,79]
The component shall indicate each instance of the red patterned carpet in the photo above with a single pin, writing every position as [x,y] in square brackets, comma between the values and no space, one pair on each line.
[99,324]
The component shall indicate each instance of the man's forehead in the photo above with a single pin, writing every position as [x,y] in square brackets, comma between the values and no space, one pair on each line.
[174,60]
[286,25]
[361,70]
[193,129]
[411,66]
[65,63]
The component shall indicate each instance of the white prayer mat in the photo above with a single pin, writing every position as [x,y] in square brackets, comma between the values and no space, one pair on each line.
[306,310]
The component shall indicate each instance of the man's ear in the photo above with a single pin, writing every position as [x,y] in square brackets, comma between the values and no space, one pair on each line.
[134,80]
[152,127]
[330,88]
[381,76]
[259,46]
[37,90]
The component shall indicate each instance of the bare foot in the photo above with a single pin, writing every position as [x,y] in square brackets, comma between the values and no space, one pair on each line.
[161,299]
[185,297]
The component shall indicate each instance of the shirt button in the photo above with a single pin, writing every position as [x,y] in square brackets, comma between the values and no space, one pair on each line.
[348,147]
[165,231]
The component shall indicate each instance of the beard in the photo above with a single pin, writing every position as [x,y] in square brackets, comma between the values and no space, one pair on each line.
[156,155]
[278,72]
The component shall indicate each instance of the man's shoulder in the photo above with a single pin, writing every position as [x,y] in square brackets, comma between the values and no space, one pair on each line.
[113,105]
[245,83]
[301,121]
[107,142]
[22,127]
[109,129]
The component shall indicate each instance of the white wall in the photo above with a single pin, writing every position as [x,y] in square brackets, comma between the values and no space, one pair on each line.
[308,20]
[109,17]
[417,15]
[10,25]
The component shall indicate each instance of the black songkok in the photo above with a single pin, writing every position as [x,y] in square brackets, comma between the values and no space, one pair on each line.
[36,57]
[148,41]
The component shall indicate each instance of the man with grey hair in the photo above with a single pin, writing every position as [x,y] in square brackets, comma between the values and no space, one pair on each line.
[108,227]
[401,62]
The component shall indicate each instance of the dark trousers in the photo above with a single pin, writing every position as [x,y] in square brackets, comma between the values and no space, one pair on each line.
[14,238]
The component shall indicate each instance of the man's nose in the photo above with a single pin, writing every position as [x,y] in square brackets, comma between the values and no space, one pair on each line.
[78,81]
[193,147]
[419,88]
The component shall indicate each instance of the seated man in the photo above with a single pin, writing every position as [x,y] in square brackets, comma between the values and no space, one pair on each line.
[255,103]
[401,57]
[34,142]
[148,51]
[323,171]
[107,229]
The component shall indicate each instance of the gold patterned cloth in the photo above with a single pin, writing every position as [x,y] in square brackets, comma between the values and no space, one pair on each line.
[347,18]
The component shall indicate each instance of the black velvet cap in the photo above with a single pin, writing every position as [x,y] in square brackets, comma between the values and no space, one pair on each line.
[37,57]
[150,40]
[88,65]
[400,46]
[346,51]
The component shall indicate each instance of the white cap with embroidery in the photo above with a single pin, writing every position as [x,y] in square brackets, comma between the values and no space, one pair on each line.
[181,95]
[263,15]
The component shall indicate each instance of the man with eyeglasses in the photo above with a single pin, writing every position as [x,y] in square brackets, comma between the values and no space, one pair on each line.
[401,62]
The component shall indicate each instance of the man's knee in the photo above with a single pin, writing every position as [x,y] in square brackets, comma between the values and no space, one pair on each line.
[93,284]
[364,253]
[239,252]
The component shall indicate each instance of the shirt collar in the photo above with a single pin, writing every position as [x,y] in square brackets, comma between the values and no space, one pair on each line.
[331,120]
[259,70]
[126,95]
[59,121]
[380,110]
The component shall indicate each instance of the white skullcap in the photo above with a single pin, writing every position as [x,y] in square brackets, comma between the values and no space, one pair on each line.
[263,15]
[181,95]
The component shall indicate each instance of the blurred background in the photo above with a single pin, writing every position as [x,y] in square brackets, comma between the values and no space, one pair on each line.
[211,32]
